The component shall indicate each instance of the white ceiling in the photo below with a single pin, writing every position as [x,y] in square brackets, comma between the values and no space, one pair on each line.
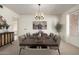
[45,8]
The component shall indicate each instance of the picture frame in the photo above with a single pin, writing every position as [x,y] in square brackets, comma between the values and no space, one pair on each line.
[39,25]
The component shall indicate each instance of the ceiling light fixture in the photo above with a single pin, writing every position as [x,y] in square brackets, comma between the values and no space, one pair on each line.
[39,15]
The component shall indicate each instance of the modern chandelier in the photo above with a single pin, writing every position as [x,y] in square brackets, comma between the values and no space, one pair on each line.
[39,14]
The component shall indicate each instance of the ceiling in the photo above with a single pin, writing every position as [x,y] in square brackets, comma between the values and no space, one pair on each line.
[45,8]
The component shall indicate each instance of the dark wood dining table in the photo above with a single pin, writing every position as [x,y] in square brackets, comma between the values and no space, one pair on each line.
[38,42]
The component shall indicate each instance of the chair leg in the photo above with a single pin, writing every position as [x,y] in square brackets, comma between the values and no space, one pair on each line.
[20,51]
[58,51]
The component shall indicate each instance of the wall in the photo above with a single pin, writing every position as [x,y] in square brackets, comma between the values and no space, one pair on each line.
[11,18]
[72,39]
[26,23]
[63,30]
[9,15]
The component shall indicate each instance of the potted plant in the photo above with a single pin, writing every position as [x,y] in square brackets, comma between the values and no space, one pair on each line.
[5,25]
[58,27]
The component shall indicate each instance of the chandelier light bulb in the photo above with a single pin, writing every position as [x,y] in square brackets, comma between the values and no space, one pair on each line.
[39,15]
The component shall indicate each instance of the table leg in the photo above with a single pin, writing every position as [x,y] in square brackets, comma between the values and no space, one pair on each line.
[58,51]
[20,51]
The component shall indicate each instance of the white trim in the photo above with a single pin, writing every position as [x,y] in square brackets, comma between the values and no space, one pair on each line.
[67,25]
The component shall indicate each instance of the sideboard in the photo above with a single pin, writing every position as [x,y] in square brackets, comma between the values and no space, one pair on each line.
[6,38]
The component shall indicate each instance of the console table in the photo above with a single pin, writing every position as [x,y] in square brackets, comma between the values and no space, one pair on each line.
[6,38]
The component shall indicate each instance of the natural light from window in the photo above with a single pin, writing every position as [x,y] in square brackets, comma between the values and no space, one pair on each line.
[67,25]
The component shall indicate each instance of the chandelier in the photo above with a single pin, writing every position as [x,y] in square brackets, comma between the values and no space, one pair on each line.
[39,15]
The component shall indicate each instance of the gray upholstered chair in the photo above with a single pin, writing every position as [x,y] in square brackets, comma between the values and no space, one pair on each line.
[56,40]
